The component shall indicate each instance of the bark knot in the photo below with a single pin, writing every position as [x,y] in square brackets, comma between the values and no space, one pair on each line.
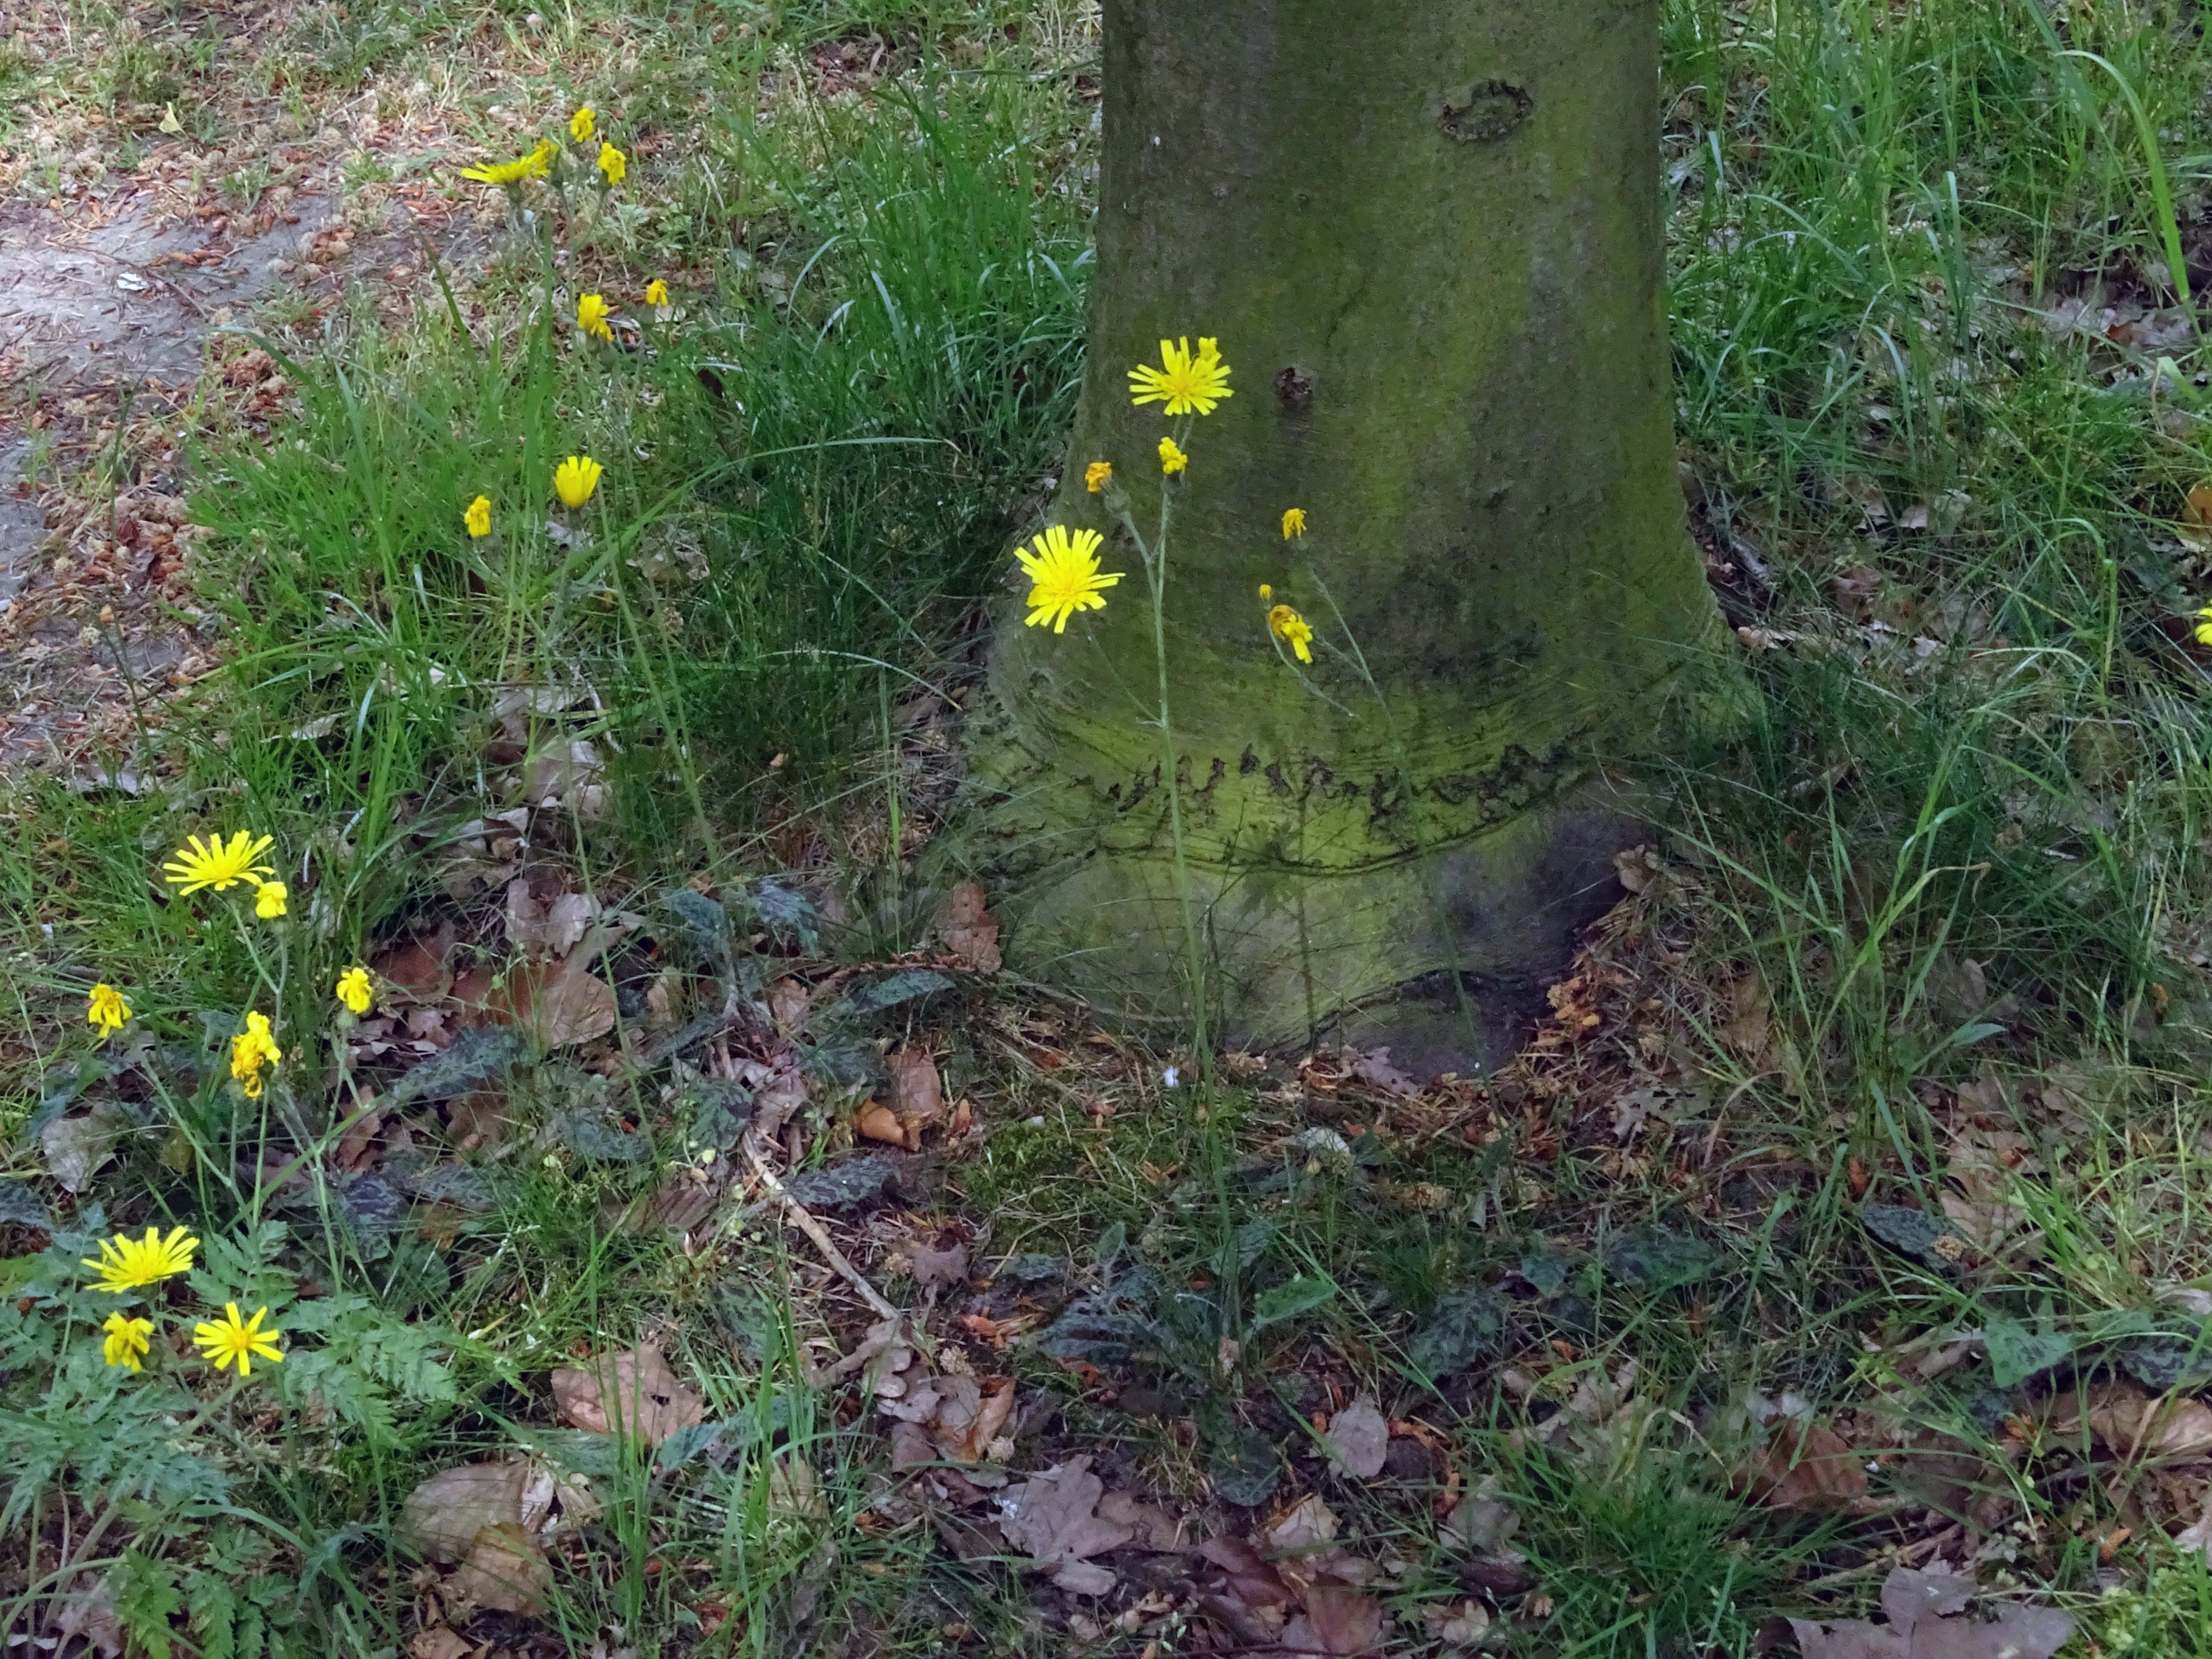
[1483,113]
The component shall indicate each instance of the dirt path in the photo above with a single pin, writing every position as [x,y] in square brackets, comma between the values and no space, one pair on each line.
[125,309]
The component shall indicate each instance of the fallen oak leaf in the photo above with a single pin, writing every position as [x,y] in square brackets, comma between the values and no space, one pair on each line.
[1359,1439]
[1053,1517]
[969,929]
[633,1391]
[1927,1620]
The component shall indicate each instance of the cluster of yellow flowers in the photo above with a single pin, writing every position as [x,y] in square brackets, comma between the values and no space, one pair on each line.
[128,1265]
[545,155]
[219,863]
[1063,565]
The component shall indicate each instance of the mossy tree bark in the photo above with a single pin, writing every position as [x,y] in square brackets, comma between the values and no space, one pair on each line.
[1427,235]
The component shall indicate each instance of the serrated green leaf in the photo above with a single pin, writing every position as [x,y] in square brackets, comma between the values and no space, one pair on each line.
[2017,1353]
[1464,1326]
[1300,1296]
[146,1597]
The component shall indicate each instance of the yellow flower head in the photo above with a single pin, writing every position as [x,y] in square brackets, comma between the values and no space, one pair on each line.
[106,1010]
[127,1264]
[583,125]
[217,863]
[1292,630]
[2205,628]
[250,1050]
[1186,384]
[1266,592]
[478,518]
[576,478]
[1294,524]
[613,163]
[269,900]
[591,315]
[1172,460]
[656,293]
[231,1338]
[127,1339]
[1098,476]
[536,165]
[1064,577]
[354,990]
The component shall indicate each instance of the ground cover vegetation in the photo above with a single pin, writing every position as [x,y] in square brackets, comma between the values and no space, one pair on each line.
[576,1176]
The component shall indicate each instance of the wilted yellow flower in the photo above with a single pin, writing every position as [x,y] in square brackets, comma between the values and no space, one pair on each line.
[127,1339]
[576,478]
[583,124]
[478,517]
[217,863]
[250,1050]
[1098,476]
[1294,523]
[230,1338]
[1172,460]
[656,293]
[355,990]
[1184,383]
[1064,577]
[591,315]
[269,900]
[536,165]
[106,1010]
[1292,630]
[613,163]
[128,1264]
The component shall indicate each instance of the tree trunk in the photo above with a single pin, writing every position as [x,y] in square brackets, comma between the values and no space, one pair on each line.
[1426,235]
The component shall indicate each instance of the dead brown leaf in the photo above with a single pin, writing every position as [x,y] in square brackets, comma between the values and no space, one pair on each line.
[415,970]
[1805,1466]
[969,929]
[2128,1423]
[1359,1439]
[1338,1619]
[1927,1620]
[504,1570]
[90,1611]
[439,1642]
[557,1003]
[1052,1516]
[877,1121]
[933,1267]
[633,1391]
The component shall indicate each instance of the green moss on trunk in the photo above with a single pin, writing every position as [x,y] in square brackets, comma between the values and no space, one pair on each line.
[1426,236]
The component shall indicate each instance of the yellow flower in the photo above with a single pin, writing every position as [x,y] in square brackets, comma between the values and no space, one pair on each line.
[269,900]
[217,863]
[1266,592]
[2205,628]
[583,124]
[128,1264]
[1098,476]
[354,990]
[591,315]
[478,518]
[1292,630]
[106,1010]
[536,165]
[127,1339]
[613,163]
[576,478]
[656,293]
[1294,523]
[1185,383]
[250,1050]
[1064,577]
[1172,460]
[231,1338]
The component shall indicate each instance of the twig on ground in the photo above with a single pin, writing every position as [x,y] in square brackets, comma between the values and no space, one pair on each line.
[806,1224]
